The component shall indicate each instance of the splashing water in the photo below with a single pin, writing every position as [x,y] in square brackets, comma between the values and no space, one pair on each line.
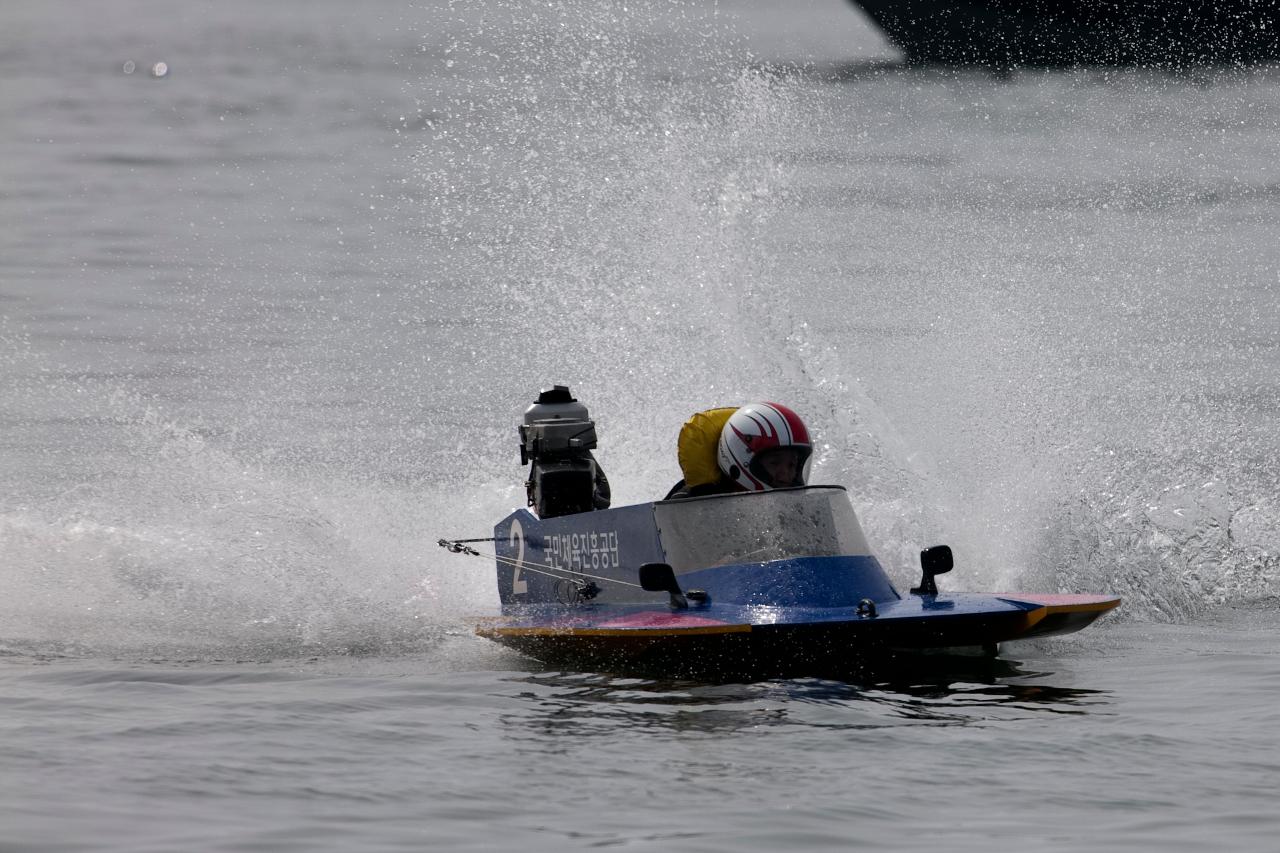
[629,209]
[635,245]
[184,548]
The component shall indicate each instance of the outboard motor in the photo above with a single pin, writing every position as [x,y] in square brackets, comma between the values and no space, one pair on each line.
[557,436]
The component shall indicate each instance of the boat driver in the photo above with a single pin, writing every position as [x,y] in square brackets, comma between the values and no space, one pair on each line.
[755,448]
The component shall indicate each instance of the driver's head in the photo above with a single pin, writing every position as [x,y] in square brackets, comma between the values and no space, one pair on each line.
[765,446]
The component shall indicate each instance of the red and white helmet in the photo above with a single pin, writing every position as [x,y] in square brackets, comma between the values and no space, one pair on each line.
[751,433]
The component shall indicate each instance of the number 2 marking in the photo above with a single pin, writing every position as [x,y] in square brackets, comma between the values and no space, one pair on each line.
[519,586]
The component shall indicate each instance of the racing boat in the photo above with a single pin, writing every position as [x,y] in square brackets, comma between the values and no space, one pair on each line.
[778,581]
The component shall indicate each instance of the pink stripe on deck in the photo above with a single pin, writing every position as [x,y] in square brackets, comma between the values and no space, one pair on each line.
[655,619]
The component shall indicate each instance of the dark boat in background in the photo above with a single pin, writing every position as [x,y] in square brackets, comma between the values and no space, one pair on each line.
[1010,33]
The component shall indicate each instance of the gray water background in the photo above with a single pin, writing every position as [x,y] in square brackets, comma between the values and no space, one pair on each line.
[267,322]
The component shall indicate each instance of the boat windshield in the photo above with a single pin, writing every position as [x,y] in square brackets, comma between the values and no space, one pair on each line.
[756,527]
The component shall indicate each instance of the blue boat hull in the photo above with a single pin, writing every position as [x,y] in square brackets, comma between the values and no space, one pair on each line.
[778,582]
[782,640]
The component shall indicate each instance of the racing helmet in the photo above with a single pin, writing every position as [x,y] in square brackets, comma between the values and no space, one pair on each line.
[751,434]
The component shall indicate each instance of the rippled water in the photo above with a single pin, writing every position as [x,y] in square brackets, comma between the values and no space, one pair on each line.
[1147,737]
[267,322]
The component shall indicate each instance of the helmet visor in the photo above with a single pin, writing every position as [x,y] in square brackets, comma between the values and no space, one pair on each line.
[781,467]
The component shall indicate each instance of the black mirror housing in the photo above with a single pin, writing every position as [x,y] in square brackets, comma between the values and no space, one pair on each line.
[937,560]
[660,577]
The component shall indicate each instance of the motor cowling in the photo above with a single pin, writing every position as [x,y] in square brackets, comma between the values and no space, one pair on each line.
[556,439]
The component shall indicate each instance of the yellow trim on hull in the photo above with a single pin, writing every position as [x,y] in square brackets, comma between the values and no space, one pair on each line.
[1098,606]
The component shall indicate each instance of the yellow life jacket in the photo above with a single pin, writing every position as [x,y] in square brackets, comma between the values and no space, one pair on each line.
[697,446]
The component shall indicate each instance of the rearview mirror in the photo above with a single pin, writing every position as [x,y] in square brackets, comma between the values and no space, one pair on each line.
[933,561]
[660,577]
